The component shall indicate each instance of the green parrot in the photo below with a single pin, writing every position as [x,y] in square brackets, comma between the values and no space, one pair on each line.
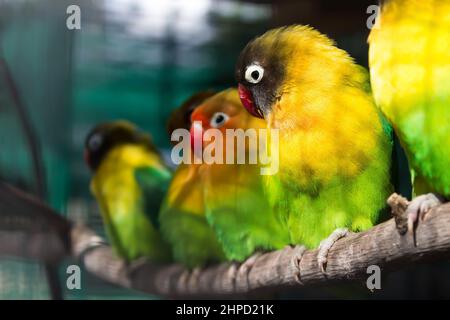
[409,60]
[236,205]
[129,182]
[182,214]
[334,145]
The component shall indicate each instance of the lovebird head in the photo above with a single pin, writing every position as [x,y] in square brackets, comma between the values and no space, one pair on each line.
[223,111]
[291,66]
[106,136]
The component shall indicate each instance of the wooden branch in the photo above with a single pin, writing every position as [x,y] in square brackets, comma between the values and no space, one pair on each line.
[30,229]
[347,260]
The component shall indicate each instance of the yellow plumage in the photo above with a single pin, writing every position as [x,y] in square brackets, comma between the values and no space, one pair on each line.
[334,147]
[409,61]
[186,190]
[122,202]
[118,170]
[322,87]
[410,46]
[235,203]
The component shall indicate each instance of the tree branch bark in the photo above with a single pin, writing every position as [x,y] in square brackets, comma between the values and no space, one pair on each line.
[348,259]
[30,229]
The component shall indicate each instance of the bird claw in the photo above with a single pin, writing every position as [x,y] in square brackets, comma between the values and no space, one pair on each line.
[420,206]
[326,244]
[299,251]
[243,270]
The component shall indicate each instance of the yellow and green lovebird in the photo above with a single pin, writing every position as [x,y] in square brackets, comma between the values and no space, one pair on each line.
[129,182]
[334,146]
[235,203]
[410,68]
[182,215]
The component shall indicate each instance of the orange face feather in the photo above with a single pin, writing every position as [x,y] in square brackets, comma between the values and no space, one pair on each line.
[236,206]
[222,112]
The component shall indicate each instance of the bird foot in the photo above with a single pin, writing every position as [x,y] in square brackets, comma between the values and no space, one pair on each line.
[299,251]
[195,274]
[239,271]
[420,206]
[326,244]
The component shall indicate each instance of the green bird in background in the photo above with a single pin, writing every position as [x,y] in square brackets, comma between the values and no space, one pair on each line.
[236,205]
[129,182]
[409,60]
[334,145]
[182,215]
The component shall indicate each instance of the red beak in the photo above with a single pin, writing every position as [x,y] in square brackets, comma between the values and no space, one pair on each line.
[247,101]
[196,133]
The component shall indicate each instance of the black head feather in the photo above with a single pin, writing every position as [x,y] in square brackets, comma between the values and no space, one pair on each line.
[106,136]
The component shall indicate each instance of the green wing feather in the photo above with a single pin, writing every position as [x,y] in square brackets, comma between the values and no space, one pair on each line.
[241,216]
[183,221]
[193,241]
[410,73]
[154,183]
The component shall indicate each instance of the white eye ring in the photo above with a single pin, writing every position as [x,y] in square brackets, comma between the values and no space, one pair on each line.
[95,141]
[254,73]
[219,119]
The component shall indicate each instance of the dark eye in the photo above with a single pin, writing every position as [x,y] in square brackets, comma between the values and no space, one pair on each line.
[219,119]
[95,142]
[254,73]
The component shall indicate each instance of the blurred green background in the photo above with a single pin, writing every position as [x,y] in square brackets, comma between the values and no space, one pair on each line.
[132,59]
